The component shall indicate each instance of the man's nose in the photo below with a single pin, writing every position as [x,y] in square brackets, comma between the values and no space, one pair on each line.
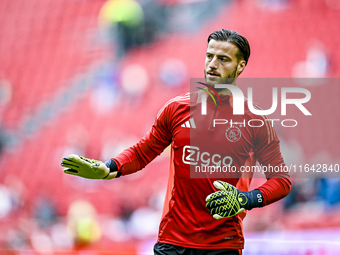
[213,63]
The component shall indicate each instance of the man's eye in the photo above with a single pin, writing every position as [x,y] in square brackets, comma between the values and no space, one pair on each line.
[224,59]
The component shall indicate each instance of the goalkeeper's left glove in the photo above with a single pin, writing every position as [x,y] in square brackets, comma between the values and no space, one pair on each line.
[88,168]
[229,201]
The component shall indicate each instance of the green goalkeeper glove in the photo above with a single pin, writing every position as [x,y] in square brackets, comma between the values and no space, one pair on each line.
[87,168]
[229,201]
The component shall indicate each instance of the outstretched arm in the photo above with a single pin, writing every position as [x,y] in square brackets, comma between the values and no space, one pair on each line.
[129,161]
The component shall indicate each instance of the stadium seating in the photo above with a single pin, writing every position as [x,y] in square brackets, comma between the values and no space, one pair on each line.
[47,46]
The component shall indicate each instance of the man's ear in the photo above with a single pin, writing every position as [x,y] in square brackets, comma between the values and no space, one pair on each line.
[240,67]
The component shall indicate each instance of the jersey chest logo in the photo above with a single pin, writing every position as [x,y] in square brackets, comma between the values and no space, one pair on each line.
[233,134]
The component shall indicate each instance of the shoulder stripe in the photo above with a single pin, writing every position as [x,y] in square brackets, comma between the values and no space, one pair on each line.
[175,99]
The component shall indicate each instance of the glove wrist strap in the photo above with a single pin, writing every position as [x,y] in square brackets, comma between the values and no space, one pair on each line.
[255,199]
[112,165]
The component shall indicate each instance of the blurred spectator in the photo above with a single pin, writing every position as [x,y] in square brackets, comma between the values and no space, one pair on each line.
[324,191]
[41,242]
[5,201]
[115,229]
[11,196]
[155,19]
[17,192]
[316,64]
[329,190]
[173,72]
[2,141]
[190,15]
[124,22]
[5,98]
[135,81]
[105,93]
[17,239]
[306,191]
[144,221]
[83,223]
[45,212]
[60,236]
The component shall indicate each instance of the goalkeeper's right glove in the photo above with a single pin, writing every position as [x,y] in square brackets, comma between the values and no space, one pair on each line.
[89,168]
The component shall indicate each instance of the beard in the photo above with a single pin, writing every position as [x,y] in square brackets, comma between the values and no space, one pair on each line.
[230,79]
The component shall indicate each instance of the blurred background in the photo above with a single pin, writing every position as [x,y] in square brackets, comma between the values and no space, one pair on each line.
[89,76]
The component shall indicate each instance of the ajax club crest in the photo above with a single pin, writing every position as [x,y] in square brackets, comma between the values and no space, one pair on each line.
[233,134]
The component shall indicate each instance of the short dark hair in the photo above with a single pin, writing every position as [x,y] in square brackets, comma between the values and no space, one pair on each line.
[235,38]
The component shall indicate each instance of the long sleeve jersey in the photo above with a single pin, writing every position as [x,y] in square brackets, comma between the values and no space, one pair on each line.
[199,140]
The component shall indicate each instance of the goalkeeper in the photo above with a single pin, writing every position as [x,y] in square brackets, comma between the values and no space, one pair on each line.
[203,215]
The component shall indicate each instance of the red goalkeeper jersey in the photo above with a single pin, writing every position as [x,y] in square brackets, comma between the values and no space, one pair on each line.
[202,140]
